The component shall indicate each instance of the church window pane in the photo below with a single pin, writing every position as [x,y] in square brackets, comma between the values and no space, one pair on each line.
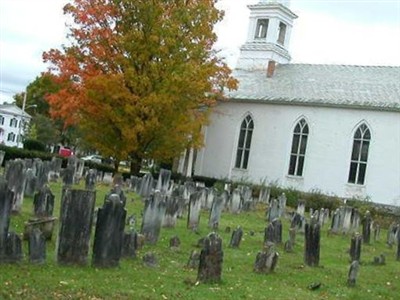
[244,143]
[261,29]
[359,155]
[298,150]
[282,33]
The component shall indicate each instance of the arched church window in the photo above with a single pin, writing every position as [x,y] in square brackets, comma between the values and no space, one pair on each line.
[282,33]
[359,155]
[243,149]
[261,29]
[298,150]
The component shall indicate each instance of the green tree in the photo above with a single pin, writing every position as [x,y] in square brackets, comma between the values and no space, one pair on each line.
[140,77]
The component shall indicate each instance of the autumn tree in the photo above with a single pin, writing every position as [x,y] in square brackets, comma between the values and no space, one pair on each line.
[139,77]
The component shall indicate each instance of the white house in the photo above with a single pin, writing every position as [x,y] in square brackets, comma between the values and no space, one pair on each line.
[331,128]
[13,121]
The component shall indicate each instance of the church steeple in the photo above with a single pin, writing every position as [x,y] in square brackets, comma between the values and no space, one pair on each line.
[268,35]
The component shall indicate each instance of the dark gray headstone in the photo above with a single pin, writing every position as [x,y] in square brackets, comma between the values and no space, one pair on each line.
[68,176]
[216,210]
[109,234]
[154,211]
[236,237]
[211,259]
[194,211]
[15,176]
[76,216]
[150,260]
[355,247]
[6,198]
[30,183]
[273,210]
[43,203]
[266,260]
[312,243]
[194,260]
[273,232]
[129,245]
[13,248]
[37,247]
[90,180]
[379,260]
[353,273]
[171,211]
[174,242]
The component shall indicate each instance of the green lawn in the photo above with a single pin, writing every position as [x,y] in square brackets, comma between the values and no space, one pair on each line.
[171,280]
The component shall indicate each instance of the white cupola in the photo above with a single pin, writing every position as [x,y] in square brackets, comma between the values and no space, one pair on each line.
[268,35]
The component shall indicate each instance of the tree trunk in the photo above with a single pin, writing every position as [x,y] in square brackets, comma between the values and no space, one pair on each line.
[136,164]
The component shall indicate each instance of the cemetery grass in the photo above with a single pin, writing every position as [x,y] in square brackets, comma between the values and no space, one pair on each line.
[172,280]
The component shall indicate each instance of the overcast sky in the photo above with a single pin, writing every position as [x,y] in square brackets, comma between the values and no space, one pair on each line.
[356,32]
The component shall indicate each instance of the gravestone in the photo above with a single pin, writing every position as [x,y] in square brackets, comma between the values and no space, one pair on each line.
[30,183]
[109,234]
[68,176]
[366,227]
[116,189]
[281,205]
[301,207]
[42,172]
[194,260]
[172,205]
[398,247]
[13,248]
[236,237]
[90,180]
[174,243]
[150,260]
[194,211]
[154,211]
[289,244]
[266,260]
[347,216]
[235,201]
[2,154]
[76,216]
[264,195]
[55,169]
[163,181]
[6,198]
[273,232]
[353,273]
[129,244]
[37,247]
[15,176]
[273,210]
[43,203]
[377,232]
[355,247]
[211,259]
[379,260]
[312,243]
[335,224]
[146,187]
[297,221]
[211,195]
[216,210]
[391,234]
[107,178]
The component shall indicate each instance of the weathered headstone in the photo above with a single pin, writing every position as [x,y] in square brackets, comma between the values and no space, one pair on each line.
[154,211]
[43,203]
[211,259]
[76,216]
[90,180]
[236,237]
[377,232]
[30,183]
[150,260]
[174,243]
[281,205]
[235,201]
[366,227]
[194,259]
[273,210]
[146,187]
[379,260]
[301,207]
[68,176]
[266,260]
[2,154]
[355,247]
[163,181]
[13,248]
[194,211]
[109,234]
[15,176]
[353,273]
[289,244]
[216,210]
[312,243]
[264,195]
[172,205]
[273,232]
[398,246]
[6,198]
[129,245]
[37,247]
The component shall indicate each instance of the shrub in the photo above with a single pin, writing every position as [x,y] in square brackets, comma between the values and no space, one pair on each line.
[34,145]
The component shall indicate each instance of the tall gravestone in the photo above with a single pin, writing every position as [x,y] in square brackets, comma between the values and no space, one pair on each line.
[43,203]
[312,243]
[90,180]
[163,180]
[154,211]
[129,245]
[76,216]
[301,207]
[216,210]
[15,176]
[273,232]
[37,247]
[236,237]
[109,234]
[211,259]
[235,201]
[355,247]
[68,176]
[172,204]
[194,211]
[273,210]
[30,183]
[6,198]
[353,273]
[146,187]
[366,227]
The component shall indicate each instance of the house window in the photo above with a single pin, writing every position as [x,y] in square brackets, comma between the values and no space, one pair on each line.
[1,120]
[359,155]
[11,137]
[243,150]
[13,122]
[282,33]
[261,29]
[298,151]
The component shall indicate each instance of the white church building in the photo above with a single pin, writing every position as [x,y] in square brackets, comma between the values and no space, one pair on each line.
[330,128]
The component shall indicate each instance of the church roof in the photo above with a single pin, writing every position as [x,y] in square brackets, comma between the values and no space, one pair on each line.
[367,87]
